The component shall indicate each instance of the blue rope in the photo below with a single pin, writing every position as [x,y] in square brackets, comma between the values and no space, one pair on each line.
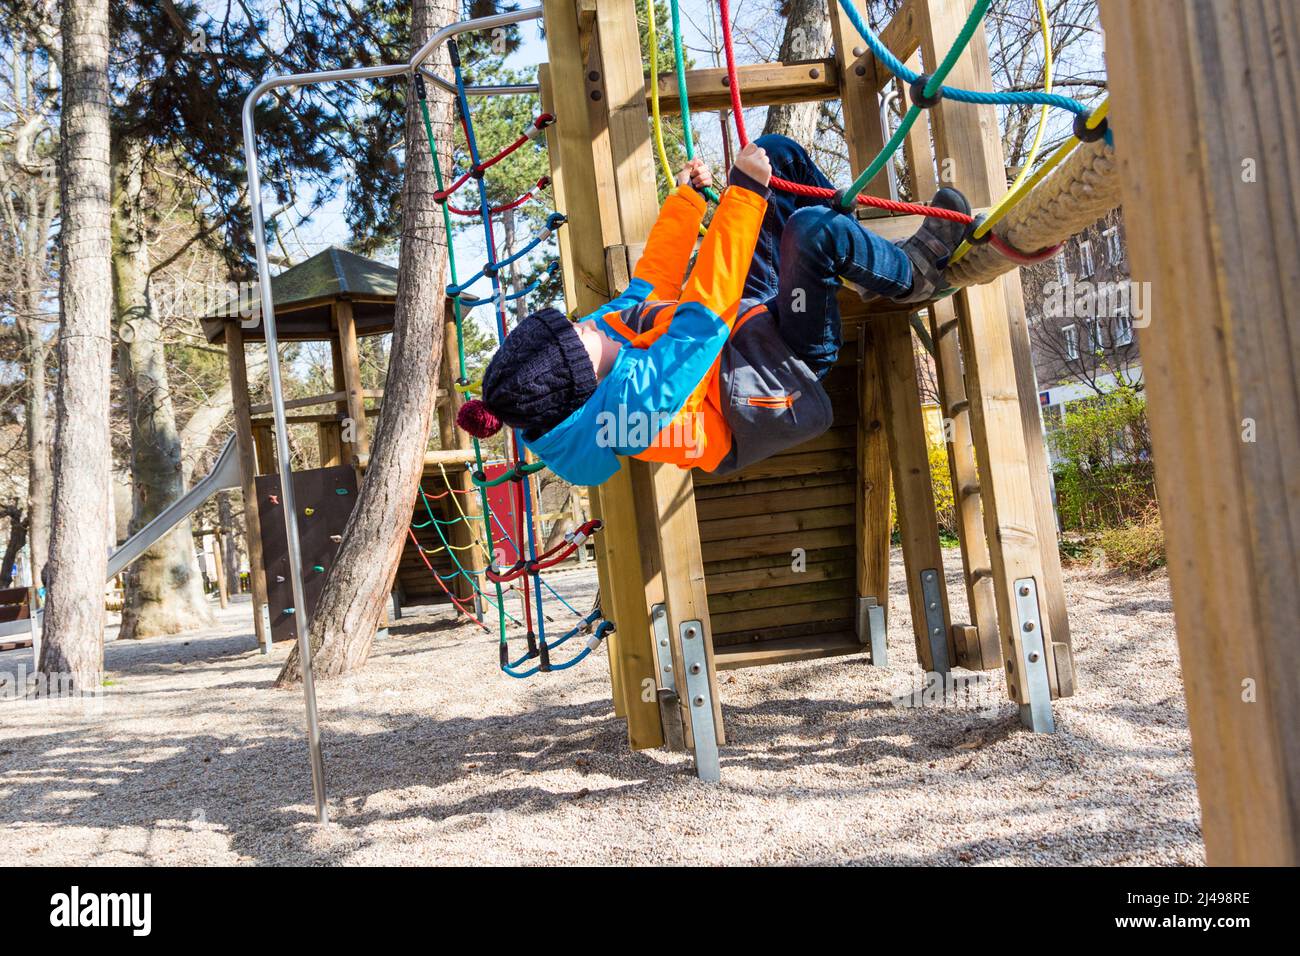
[602,630]
[900,70]
[553,222]
[470,302]
[492,270]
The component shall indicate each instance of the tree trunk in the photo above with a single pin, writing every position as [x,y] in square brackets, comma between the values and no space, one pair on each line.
[38,450]
[807,37]
[17,538]
[72,650]
[357,584]
[164,590]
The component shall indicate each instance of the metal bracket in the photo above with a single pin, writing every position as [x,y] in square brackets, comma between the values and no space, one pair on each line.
[936,627]
[699,700]
[1036,711]
[670,705]
[663,652]
[870,624]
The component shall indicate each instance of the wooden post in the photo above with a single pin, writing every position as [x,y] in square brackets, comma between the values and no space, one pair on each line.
[675,528]
[329,442]
[1209,198]
[219,569]
[573,166]
[976,645]
[967,144]
[873,521]
[349,357]
[247,470]
[927,592]
[264,446]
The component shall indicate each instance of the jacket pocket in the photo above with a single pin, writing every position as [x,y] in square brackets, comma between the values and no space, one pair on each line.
[772,401]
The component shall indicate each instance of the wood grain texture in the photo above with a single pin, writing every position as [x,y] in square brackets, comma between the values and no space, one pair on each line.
[1220,356]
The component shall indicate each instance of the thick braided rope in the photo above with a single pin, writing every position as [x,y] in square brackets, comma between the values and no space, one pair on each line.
[1079,192]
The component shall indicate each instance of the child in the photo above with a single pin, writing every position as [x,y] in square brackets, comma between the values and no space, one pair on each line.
[725,370]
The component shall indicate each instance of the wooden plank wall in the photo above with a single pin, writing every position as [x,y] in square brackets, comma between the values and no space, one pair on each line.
[762,609]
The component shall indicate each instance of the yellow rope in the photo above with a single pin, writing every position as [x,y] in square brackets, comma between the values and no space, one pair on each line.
[1000,209]
[653,40]
[459,507]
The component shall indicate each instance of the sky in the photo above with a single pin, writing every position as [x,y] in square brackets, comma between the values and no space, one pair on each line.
[328,227]
[699,20]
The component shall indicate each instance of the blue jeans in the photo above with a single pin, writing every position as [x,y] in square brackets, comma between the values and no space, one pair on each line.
[804,248]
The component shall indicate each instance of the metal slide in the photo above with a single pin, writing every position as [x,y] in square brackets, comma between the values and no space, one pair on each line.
[224,474]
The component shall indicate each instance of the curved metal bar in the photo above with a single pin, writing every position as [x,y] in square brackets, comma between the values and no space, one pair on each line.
[302,618]
[509,18]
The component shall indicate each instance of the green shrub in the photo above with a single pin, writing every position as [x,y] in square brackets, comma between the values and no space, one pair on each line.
[1104,476]
[1138,547]
[945,504]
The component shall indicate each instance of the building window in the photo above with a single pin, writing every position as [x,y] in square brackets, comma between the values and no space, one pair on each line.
[1113,251]
[1061,271]
[1071,334]
[1094,336]
[1085,259]
[1123,334]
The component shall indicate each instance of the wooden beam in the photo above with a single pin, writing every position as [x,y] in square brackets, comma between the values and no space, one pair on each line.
[967,144]
[622,588]
[247,471]
[559,185]
[674,530]
[438,456]
[914,496]
[983,652]
[761,84]
[874,523]
[1212,224]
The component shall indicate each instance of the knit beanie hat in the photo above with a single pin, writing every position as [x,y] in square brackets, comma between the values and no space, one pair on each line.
[538,377]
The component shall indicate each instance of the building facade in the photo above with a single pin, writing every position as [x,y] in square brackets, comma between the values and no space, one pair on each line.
[1082,309]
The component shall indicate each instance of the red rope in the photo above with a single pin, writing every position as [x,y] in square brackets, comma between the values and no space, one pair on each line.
[540,123]
[420,549]
[515,204]
[819,192]
[558,553]
[1009,251]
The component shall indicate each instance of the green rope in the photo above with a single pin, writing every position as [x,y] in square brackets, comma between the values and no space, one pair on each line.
[451,552]
[914,112]
[460,341]
[679,57]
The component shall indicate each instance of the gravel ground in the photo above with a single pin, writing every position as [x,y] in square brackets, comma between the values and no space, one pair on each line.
[433,757]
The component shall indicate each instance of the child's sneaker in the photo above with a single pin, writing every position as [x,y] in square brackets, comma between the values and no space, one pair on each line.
[930,247]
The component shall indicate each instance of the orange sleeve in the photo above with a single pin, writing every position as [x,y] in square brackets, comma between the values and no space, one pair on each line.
[726,253]
[672,240]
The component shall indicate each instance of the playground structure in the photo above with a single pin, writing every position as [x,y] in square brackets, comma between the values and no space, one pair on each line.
[340,298]
[789,559]
[691,557]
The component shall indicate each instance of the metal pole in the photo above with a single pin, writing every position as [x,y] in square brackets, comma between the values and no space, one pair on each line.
[294,545]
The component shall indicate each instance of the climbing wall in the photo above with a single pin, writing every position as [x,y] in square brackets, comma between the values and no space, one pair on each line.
[778,543]
[325,497]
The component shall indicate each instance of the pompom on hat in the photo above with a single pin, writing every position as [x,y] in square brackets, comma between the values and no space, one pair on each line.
[540,375]
[477,419]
